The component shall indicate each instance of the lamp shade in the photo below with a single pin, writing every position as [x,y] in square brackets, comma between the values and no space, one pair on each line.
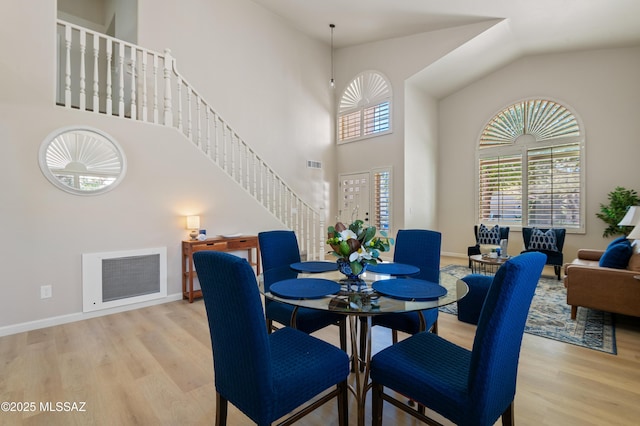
[635,232]
[193,222]
[632,217]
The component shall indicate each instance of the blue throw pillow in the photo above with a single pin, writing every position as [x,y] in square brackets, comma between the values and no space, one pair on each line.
[543,240]
[489,236]
[617,255]
[616,241]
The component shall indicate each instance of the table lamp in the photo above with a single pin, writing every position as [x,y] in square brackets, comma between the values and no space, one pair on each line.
[193,223]
[631,218]
[635,232]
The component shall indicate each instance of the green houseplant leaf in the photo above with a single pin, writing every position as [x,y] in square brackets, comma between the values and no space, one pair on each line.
[620,199]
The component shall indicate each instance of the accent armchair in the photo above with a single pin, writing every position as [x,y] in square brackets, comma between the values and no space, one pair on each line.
[549,241]
[473,250]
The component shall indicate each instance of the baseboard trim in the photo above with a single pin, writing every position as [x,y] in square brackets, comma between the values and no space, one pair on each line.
[79,316]
[450,254]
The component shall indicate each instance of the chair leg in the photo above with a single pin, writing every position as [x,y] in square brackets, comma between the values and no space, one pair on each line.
[221,410]
[376,405]
[558,270]
[343,404]
[269,326]
[434,327]
[363,345]
[508,416]
[394,336]
[343,334]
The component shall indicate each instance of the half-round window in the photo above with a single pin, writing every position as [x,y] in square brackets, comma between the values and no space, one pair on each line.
[531,167]
[365,107]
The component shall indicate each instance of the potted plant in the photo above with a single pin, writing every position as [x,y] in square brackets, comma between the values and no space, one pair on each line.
[620,199]
[356,246]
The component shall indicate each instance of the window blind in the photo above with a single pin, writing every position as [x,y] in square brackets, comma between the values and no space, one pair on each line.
[382,200]
[554,190]
[501,189]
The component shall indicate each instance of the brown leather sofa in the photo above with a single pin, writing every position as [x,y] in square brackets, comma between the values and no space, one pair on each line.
[604,289]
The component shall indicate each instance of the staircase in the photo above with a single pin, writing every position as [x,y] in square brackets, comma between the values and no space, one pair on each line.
[101,74]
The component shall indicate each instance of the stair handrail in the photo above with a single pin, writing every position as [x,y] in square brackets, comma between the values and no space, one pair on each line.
[128,70]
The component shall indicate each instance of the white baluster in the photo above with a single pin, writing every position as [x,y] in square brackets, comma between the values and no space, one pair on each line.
[224,147]
[198,121]
[83,75]
[168,66]
[208,123]
[134,88]
[67,67]
[179,84]
[156,117]
[215,138]
[144,86]
[262,179]
[121,79]
[245,163]
[233,154]
[189,119]
[109,105]
[96,86]
[254,157]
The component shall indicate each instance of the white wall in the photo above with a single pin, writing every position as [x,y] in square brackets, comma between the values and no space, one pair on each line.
[261,74]
[400,59]
[601,86]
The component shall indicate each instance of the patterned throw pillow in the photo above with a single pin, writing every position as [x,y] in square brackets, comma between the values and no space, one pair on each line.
[543,240]
[489,236]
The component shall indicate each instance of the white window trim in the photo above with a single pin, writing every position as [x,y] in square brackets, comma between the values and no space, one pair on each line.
[363,104]
[521,149]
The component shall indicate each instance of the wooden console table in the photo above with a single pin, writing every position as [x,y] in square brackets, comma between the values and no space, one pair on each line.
[244,242]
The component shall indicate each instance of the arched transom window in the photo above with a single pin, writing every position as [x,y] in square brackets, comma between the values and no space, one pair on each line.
[365,107]
[531,168]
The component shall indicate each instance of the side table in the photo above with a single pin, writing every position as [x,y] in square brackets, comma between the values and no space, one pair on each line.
[481,264]
[244,242]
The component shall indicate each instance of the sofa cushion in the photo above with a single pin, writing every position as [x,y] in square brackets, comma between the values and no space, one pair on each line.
[634,260]
[542,240]
[617,255]
[489,235]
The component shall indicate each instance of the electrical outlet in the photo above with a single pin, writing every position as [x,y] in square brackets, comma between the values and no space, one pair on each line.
[46,291]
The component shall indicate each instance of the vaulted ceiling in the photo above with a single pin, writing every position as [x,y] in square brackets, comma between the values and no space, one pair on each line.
[522,27]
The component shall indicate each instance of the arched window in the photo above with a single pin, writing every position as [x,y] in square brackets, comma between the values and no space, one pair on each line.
[365,107]
[531,167]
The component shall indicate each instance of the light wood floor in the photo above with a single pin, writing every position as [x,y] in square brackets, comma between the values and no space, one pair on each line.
[153,366]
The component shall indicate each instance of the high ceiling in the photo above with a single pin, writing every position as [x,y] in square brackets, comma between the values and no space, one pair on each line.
[527,27]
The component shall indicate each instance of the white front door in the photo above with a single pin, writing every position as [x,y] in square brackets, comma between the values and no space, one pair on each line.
[354,200]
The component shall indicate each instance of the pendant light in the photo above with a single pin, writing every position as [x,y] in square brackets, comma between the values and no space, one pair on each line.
[332,82]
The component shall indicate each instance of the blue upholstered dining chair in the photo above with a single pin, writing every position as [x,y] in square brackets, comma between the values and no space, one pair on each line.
[421,248]
[467,387]
[266,376]
[278,250]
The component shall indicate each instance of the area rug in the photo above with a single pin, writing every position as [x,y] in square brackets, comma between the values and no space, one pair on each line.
[550,316]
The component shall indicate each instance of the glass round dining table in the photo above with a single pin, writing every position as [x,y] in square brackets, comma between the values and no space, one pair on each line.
[357,300]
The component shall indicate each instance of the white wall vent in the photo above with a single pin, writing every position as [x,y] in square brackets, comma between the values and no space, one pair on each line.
[314,164]
[120,278]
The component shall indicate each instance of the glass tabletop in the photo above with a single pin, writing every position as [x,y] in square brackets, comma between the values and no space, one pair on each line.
[362,300]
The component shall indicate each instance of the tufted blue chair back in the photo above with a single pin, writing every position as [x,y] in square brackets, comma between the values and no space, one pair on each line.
[496,348]
[421,248]
[241,351]
[278,248]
